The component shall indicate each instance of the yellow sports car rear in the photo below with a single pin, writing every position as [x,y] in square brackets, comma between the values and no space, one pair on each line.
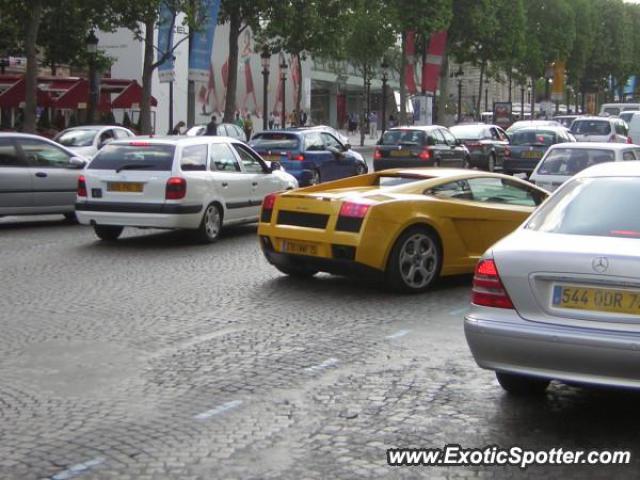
[406,227]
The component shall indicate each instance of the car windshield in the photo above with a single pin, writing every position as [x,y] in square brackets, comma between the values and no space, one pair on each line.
[134,156]
[591,127]
[579,209]
[275,141]
[404,136]
[569,161]
[81,137]
[468,132]
[612,110]
[626,116]
[533,137]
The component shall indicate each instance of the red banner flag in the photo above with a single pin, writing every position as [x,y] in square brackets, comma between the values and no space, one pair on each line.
[431,69]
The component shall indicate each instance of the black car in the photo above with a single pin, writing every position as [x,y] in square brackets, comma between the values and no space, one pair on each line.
[528,146]
[486,144]
[423,146]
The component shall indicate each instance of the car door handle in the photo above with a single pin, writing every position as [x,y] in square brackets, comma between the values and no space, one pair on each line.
[41,174]
[225,184]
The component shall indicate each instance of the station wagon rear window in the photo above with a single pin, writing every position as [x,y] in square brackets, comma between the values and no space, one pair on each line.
[134,156]
[275,141]
[404,137]
[542,138]
[591,127]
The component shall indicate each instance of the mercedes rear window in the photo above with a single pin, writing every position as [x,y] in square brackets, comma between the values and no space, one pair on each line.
[569,161]
[404,137]
[275,141]
[542,138]
[592,206]
[134,156]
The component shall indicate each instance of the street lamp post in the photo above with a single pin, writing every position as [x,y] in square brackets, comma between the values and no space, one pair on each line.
[265,56]
[91,43]
[283,77]
[522,101]
[459,74]
[385,72]
[486,97]
[532,98]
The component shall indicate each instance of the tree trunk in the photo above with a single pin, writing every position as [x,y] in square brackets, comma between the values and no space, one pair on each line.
[232,81]
[403,87]
[31,76]
[444,89]
[147,74]
[479,104]
[299,93]
[363,115]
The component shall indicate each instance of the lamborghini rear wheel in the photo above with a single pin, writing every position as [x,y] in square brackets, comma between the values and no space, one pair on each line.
[415,261]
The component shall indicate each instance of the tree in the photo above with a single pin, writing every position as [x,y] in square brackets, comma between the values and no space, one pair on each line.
[434,16]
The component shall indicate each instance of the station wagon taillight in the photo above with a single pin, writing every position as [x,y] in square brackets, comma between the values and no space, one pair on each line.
[82,186]
[488,290]
[377,154]
[425,154]
[297,157]
[507,152]
[176,188]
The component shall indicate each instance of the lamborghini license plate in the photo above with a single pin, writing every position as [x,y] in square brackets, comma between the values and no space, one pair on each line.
[300,248]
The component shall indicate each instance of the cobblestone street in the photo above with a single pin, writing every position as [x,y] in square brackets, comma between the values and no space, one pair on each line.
[157,358]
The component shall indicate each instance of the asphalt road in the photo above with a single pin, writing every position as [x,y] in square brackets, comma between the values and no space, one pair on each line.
[154,358]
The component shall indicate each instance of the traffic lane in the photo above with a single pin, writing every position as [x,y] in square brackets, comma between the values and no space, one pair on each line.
[266,376]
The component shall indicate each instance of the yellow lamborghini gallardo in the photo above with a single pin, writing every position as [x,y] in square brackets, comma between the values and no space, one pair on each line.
[408,227]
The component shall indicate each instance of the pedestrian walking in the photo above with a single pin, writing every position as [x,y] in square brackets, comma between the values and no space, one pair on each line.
[177,129]
[303,118]
[238,121]
[248,126]
[272,121]
[212,126]
[373,125]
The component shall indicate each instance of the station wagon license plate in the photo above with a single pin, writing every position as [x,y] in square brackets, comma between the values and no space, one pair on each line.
[593,299]
[299,248]
[126,187]
[532,154]
[272,158]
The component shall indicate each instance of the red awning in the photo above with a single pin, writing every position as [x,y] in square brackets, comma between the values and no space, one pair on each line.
[13,96]
[78,96]
[130,96]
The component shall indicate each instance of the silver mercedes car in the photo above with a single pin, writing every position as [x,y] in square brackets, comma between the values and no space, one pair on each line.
[559,299]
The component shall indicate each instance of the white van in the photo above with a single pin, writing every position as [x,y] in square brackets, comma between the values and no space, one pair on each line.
[634,128]
[614,109]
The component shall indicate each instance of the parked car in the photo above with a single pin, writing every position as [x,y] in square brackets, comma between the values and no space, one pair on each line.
[196,183]
[600,129]
[559,299]
[528,146]
[565,120]
[37,176]
[563,161]
[312,156]
[224,130]
[531,124]
[428,146]
[634,127]
[406,227]
[486,144]
[615,109]
[86,141]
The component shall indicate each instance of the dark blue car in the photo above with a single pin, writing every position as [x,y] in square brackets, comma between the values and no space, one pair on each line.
[309,155]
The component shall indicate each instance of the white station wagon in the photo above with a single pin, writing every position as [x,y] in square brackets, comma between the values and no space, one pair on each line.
[197,183]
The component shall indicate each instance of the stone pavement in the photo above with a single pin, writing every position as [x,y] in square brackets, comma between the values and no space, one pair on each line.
[154,358]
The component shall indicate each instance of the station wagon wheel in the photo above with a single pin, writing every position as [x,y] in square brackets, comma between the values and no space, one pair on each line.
[415,261]
[211,224]
[315,177]
[360,169]
[108,233]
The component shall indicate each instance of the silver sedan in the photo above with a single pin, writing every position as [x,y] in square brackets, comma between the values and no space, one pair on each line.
[559,299]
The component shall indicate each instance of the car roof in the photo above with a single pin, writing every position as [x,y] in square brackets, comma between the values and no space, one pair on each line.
[175,140]
[551,128]
[598,145]
[629,168]
[94,127]
[596,117]
[424,128]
